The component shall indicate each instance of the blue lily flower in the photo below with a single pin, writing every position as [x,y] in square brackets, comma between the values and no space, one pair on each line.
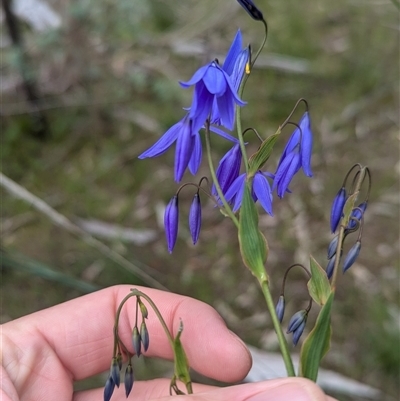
[280,308]
[171,220]
[212,83]
[296,155]
[195,218]
[261,191]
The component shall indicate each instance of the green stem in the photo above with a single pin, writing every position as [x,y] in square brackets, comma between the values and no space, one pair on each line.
[228,209]
[278,329]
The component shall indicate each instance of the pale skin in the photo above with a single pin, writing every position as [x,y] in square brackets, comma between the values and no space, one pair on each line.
[44,353]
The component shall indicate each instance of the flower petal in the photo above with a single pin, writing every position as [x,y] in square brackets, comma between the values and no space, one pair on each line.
[197,76]
[263,192]
[215,80]
[306,144]
[233,53]
[183,152]
[195,158]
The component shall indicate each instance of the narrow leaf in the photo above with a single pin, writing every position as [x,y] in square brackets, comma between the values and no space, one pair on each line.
[317,343]
[318,285]
[253,245]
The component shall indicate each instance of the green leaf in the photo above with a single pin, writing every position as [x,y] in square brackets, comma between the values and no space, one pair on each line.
[253,245]
[317,343]
[318,286]
[348,208]
[181,367]
[258,159]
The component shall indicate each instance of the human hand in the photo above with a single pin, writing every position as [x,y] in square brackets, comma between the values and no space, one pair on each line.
[44,353]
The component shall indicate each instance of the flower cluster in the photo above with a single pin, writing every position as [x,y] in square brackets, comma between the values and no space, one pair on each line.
[139,338]
[354,224]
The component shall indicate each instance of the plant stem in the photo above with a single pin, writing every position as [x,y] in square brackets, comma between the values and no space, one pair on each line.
[215,179]
[278,329]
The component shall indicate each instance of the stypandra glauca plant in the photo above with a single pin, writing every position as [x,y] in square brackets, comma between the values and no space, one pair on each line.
[239,182]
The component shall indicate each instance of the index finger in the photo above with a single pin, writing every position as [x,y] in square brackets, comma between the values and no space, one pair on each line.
[81,333]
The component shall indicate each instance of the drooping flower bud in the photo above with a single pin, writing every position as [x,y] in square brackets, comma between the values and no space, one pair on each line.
[136,341]
[351,256]
[280,308]
[297,324]
[337,208]
[119,360]
[251,9]
[128,380]
[109,389]
[195,218]
[330,266]
[333,246]
[144,336]
[115,371]
[356,215]
[171,220]
[143,309]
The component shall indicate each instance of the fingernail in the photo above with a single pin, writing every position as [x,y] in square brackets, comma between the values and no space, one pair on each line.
[290,391]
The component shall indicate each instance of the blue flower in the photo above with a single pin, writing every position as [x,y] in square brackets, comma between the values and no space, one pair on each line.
[171,220]
[195,218]
[128,380]
[212,83]
[337,208]
[144,336]
[333,246]
[296,155]
[108,389]
[261,191]
[356,215]
[228,168]
[115,371]
[188,147]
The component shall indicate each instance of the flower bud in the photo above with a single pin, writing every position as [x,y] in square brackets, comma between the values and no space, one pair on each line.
[330,266]
[119,360]
[115,371]
[136,341]
[280,308]
[143,309]
[333,246]
[351,256]
[171,219]
[251,9]
[195,218]
[296,320]
[128,380]
[109,389]
[356,215]
[144,336]
[299,331]
[337,208]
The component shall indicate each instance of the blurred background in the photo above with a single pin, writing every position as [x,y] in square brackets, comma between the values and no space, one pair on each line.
[86,86]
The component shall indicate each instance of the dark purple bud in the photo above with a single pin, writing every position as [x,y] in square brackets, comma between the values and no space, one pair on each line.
[337,208]
[356,215]
[333,247]
[109,389]
[280,308]
[299,331]
[171,219]
[195,218]
[252,10]
[351,256]
[115,371]
[296,320]
[128,381]
[330,266]
[136,341]
[144,336]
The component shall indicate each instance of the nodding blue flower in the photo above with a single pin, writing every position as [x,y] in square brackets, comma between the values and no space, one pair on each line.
[212,83]
[333,246]
[128,380]
[356,215]
[195,218]
[188,146]
[171,220]
[109,388]
[261,191]
[351,256]
[296,155]
[144,336]
[251,9]
[337,208]
[115,371]
[297,324]
[228,168]
[280,308]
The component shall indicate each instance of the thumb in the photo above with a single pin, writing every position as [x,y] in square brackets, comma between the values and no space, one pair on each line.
[288,389]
